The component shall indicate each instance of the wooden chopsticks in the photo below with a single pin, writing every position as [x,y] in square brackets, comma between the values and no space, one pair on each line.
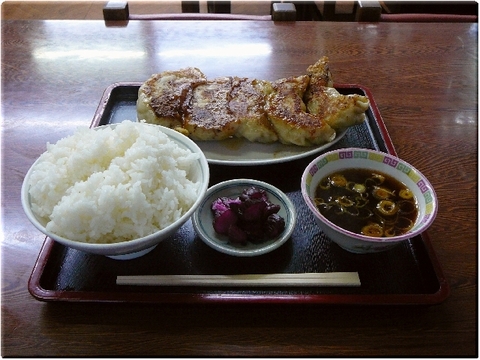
[287,279]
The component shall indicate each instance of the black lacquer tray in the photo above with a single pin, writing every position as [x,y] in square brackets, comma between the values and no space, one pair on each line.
[407,274]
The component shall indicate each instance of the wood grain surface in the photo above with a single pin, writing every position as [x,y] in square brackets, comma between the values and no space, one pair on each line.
[424,81]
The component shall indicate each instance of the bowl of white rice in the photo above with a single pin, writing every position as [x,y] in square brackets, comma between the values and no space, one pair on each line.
[115,190]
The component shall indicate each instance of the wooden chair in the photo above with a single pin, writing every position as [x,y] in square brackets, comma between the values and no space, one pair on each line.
[118,11]
[428,18]
[371,11]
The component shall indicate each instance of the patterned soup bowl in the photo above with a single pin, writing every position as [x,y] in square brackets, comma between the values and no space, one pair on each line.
[419,188]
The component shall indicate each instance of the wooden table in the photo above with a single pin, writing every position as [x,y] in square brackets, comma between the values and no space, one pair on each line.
[424,80]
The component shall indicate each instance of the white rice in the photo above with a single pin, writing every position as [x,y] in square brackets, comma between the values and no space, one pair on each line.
[112,185]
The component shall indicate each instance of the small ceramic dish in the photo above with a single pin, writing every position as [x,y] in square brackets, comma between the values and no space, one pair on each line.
[203,218]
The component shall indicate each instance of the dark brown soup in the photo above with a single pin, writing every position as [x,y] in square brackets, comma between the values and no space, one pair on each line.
[367,202]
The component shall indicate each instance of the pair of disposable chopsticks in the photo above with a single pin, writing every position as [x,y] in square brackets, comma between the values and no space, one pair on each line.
[287,279]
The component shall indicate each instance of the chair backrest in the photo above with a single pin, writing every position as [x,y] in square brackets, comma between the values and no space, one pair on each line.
[119,11]
[427,18]
[371,11]
[199,16]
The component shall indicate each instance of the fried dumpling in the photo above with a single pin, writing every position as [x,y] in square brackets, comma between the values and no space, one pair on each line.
[163,97]
[338,110]
[209,116]
[320,74]
[247,105]
[305,110]
[287,113]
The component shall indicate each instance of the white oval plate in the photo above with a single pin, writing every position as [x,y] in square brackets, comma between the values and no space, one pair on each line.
[203,218]
[240,152]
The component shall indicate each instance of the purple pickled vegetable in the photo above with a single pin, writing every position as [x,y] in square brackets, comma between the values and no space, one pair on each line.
[251,216]
[255,231]
[254,193]
[255,212]
[271,209]
[219,206]
[274,226]
[237,235]
[238,206]
[222,222]
[222,204]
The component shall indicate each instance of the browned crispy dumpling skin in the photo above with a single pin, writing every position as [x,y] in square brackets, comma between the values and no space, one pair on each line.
[320,74]
[339,111]
[209,116]
[304,110]
[287,112]
[247,105]
[163,97]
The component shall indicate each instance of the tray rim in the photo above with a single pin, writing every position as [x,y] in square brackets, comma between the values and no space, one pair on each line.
[49,295]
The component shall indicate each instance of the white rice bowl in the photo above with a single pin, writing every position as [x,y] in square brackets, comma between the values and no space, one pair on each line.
[115,189]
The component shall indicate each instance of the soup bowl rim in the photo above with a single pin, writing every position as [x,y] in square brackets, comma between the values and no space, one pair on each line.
[421,224]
